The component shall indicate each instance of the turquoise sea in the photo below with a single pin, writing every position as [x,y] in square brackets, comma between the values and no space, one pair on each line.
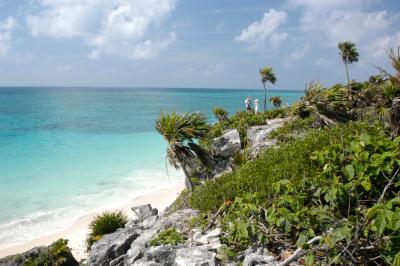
[67,151]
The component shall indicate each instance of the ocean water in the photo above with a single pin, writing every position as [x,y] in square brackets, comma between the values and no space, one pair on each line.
[67,151]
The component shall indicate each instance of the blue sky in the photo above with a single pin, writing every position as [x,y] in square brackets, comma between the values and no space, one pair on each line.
[191,43]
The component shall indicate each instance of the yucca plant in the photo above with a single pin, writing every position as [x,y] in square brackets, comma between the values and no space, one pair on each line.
[181,131]
[276,101]
[105,223]
[220,114]
[267,75]
[330,105]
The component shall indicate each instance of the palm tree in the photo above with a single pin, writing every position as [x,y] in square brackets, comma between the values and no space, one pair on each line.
[349,54]
[181,132]
[220,114]
[267,75]
[276,101]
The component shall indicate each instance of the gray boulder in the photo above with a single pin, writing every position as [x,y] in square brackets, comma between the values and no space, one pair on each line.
[226,145]
[257,136]
[144,211]
[112,246]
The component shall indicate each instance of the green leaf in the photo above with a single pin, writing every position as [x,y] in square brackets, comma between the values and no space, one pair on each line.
[396,261]
[349,171]
[379,223]
[309,259]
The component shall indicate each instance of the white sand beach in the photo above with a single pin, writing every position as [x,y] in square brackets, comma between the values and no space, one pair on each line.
[159,198]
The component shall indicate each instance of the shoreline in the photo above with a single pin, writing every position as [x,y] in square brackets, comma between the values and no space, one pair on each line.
[159,198]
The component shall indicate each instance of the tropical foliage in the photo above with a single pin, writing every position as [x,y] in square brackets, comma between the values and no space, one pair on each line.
[276,101]
[168,237]
[220,114]
[267,75]
[105,223]
[349,55]
[58,254]
[181,131]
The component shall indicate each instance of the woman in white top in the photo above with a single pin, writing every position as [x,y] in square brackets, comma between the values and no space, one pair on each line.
[256,106]
[247,103]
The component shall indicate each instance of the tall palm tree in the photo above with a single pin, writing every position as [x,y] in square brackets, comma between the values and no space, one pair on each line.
[181,131]
[276,101]
[267,75]
[349,54]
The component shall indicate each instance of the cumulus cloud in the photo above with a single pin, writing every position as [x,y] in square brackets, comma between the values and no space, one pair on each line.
[332,21]
[6,28]
[265,34]
[128,28]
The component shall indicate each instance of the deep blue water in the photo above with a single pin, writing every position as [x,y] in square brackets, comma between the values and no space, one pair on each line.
[66,151]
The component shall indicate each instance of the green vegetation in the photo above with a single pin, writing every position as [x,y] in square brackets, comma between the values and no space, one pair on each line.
[349,54]
[330,189]
[267,75]
[168,237]
[220,114]
[105,223]
[58,254]
[276,101]
[181,131]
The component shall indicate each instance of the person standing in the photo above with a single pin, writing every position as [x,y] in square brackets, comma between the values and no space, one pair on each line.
[256,106]
[247,104]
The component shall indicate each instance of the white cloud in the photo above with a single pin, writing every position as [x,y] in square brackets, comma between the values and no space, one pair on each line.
[332,21]
[379,46]
[264,34]
[6,29]
[221,26]
[128,28]
[299,53]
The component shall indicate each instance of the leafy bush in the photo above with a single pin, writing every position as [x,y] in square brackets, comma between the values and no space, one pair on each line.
[340,183]
[58,254]
[105,223]
[168,237]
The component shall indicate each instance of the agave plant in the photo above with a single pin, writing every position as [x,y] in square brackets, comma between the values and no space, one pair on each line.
[330,105]
[105,223]
[181,131]
[276,101]
[220,114]
[267,75]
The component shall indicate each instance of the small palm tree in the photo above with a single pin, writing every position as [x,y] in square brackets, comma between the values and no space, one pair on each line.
[276,101]
[267,75]
[349,54]
[220,114]
[181,131]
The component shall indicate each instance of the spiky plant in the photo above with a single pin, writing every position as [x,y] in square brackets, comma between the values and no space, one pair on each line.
[181,131]
[220,114]
[276,101]
[105,223]
[330,105]
[267,75]
[349,55]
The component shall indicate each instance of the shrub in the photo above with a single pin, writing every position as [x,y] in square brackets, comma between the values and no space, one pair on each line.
[105,223]
[57,254]
[168,237]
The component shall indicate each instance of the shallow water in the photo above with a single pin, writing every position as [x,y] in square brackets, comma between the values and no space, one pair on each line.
[67,151]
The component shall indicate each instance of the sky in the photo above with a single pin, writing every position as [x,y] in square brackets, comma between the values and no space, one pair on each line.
[191,43]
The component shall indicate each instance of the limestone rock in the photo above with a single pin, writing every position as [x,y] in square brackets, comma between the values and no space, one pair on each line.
[194,256]
[257,257]
[144,211]
[112,246]
[226,145]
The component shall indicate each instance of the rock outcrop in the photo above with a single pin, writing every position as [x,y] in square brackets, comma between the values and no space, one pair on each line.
[226,145]
[257,136]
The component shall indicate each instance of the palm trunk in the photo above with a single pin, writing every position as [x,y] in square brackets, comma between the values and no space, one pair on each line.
[265,97]
[188,180]
[347,74]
